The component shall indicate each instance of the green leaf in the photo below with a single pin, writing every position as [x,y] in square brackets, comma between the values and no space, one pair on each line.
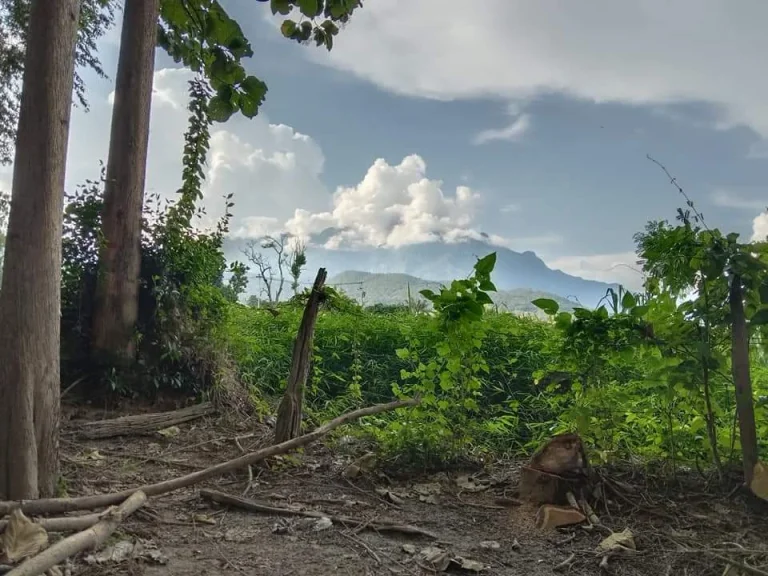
[220,109]
[288,28]
[483,298]
[639,311]
[548,305]
[487,286]
[403,353]
[760,318]
[628,301]
[763,290]
[309,8]
[174,13]
[484,266]
[252,96]
[282,7]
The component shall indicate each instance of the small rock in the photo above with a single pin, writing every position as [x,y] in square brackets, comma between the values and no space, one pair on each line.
[170,432]
[490,545]
[409,548]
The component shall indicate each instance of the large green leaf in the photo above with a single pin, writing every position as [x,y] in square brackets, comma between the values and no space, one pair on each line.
[220,109]
[760,318]
[548,305]
[484,266]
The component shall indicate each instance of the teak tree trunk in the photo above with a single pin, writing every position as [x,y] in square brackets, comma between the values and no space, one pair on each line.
[117,293]
[742,382]
[288,424]
[30,299]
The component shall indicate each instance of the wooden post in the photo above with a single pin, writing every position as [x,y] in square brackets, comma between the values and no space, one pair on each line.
[288,424]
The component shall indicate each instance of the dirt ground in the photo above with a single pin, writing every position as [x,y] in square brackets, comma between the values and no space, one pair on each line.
[678,529]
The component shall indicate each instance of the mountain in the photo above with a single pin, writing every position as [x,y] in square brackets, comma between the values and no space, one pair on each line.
[393,288]
[443,261]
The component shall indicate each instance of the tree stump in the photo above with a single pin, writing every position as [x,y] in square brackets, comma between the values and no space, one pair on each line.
[288,425]
[557,467]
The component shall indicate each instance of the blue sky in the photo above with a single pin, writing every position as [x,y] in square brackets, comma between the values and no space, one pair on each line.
[541,114]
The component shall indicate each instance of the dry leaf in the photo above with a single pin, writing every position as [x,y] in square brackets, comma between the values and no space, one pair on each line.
[119,552]
[436,558]
[22,537]
[389,495]
[468,484]
[618,541]
[204,519]
[170,432]
[470,565]
[323,524]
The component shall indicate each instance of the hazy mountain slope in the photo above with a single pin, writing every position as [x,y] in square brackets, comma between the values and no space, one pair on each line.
[441,261]
[393,289]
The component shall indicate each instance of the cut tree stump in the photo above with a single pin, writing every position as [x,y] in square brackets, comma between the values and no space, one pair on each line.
[142,424]
[288,424]
[557,467]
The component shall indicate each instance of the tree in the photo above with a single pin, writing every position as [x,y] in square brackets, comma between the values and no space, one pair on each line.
[298,260]
[30,296]
[5,204]
[96,17]
[200,34]
[117,292]
[288,260]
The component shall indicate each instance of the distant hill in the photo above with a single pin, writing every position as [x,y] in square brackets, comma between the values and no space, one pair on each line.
[393,288]
[441,261]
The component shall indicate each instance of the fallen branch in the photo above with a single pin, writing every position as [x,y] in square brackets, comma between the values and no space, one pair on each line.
[66,524]
[142,424]
[253,506]
[63,505]
[92,537]
[567,563]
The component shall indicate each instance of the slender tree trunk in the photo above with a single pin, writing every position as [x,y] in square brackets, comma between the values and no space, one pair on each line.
[30,300]
[117,293]
[745,406]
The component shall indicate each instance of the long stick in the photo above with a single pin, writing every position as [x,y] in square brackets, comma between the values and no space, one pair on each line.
[63,505]
[90,538]
[253,506]
[65,524]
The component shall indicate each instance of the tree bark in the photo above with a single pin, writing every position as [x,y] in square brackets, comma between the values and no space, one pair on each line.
[742,382]
[117,304]
[288,425]
[30,300]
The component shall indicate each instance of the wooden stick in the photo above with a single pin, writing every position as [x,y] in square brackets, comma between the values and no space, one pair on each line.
[63,505]
[142,424]
[253,506]
[66,524]
[92,537]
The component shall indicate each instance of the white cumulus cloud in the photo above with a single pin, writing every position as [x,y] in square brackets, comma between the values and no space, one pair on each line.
[392,206]
[619,267]
[760,228]
[635,51]
[275,175]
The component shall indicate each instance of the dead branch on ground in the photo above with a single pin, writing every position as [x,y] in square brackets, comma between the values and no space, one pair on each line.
[142,424]
[253,506]
[66,524]
[92,537]
[63,505]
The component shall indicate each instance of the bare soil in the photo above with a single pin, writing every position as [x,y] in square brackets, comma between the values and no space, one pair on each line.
[679,527]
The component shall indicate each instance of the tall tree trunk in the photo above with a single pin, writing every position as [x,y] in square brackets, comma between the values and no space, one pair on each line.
[117,293]
[742,382]
[30,300]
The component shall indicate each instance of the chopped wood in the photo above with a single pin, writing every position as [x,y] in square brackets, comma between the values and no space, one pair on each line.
[65,524]
[142,424]
[63,505]
[92,537]
[288,425]
[253,506]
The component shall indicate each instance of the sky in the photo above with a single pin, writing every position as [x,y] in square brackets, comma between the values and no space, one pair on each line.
[528,121]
